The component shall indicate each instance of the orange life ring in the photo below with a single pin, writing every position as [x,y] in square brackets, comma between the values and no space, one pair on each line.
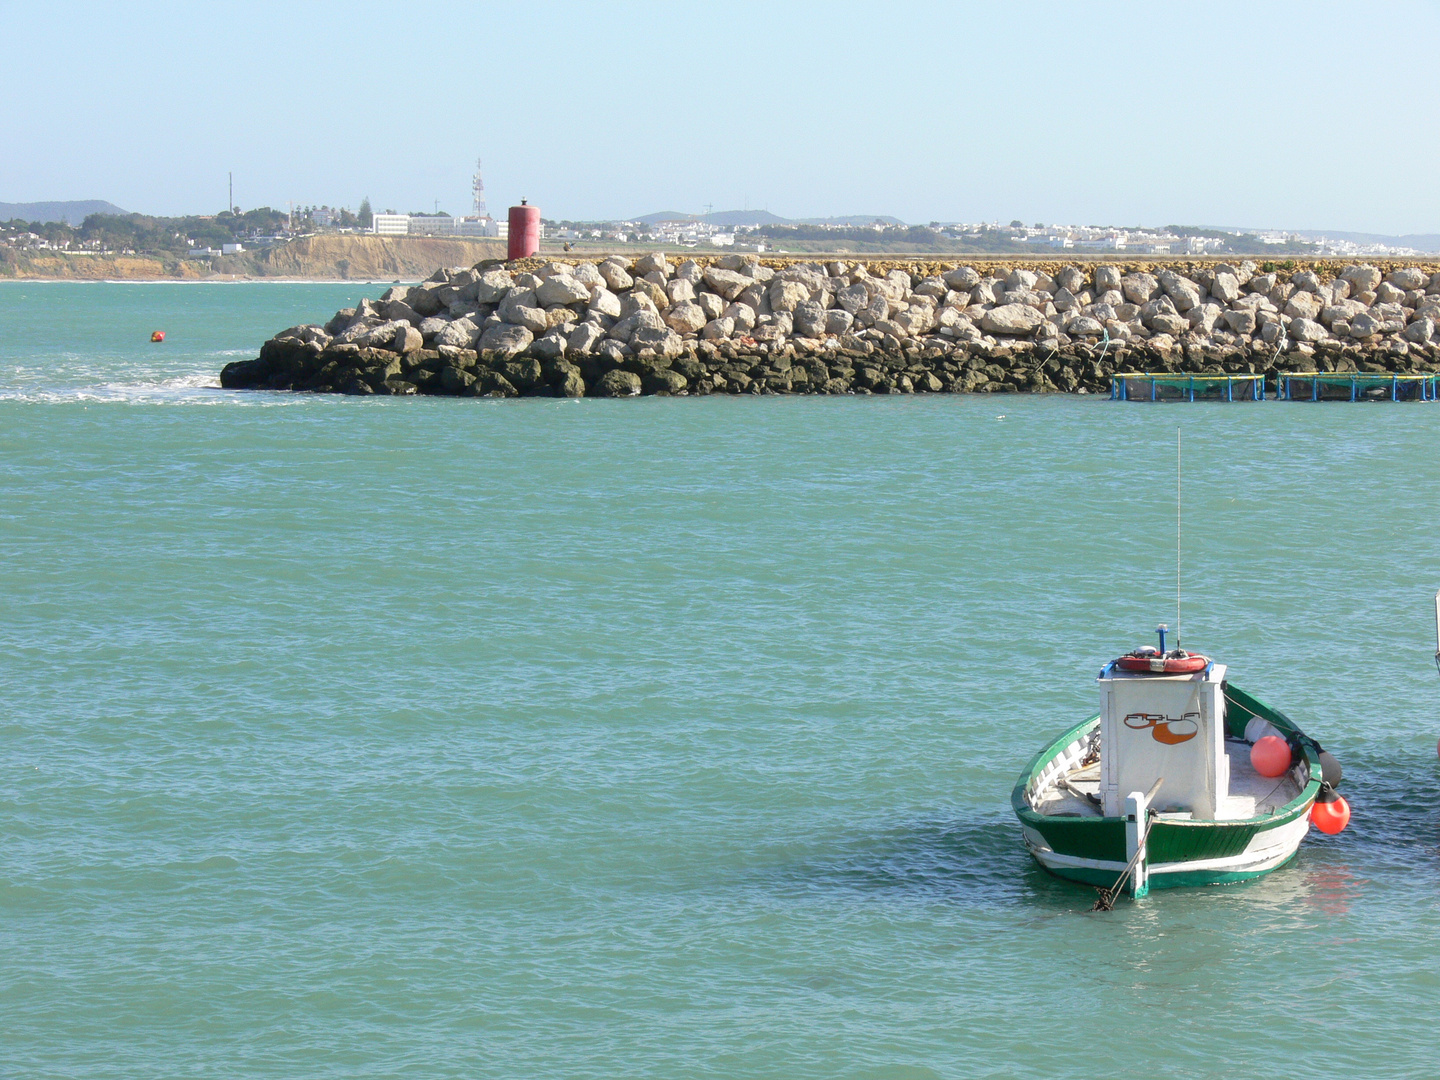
[1151,662]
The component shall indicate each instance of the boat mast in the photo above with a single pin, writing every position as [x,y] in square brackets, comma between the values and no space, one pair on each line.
[1177,555]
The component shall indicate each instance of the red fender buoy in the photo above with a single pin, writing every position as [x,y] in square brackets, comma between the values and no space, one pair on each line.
[1331,813]
[158,335]
[1270,756]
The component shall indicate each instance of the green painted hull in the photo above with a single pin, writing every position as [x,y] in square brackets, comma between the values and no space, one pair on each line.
[1180,853]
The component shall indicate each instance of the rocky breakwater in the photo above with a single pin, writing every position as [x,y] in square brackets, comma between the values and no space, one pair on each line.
[619,328]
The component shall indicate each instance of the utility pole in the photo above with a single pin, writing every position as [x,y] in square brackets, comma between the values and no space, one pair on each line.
[230,206]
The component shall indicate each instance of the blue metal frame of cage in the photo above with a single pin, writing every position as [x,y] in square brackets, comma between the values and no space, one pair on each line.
[1317,378]
[1119,391]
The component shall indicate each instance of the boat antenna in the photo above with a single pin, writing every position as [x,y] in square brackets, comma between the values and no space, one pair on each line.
[1177,538]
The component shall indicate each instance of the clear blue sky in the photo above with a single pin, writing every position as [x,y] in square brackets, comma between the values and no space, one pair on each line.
[1289,115]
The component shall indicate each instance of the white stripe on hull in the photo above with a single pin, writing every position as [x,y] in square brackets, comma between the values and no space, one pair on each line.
[1266,850]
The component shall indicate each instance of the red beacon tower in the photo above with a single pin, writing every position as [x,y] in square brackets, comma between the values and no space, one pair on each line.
[524,231]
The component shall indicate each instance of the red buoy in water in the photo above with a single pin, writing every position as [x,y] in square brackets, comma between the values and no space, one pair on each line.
[524,239]
[1270,756]
[158,335]
[1331,813]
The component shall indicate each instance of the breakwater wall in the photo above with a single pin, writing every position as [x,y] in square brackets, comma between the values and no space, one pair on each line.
[739,324]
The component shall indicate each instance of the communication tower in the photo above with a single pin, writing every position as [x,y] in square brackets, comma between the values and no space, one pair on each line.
[477,191]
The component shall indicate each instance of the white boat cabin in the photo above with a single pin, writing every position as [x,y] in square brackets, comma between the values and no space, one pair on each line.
[1169,728]
[1166,728]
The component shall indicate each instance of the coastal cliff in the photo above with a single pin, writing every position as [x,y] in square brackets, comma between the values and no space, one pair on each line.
[337,257]
[738,324]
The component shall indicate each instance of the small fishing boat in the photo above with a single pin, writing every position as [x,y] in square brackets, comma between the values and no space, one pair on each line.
[1181,778]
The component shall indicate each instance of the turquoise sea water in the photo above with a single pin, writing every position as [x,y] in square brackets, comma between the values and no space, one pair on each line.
[667,738]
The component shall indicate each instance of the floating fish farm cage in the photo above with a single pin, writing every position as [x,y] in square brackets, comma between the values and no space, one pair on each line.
[1355,386]
[1295,386]
[1168,386]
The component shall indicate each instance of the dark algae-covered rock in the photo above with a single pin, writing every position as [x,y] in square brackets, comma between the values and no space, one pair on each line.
[739,325]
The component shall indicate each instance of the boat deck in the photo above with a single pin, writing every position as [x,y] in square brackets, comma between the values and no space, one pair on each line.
[1251,795]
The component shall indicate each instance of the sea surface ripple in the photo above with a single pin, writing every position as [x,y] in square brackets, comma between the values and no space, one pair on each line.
[667,737]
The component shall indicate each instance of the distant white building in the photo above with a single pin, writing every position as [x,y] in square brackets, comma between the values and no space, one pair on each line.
[477,226]
[1104,243]
[231,249]
[431,225]
[390,224]
[202,253]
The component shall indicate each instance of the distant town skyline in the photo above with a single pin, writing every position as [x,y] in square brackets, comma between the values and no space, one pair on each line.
[1102,113]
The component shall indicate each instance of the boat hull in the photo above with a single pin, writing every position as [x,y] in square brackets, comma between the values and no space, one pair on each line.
[1180,852]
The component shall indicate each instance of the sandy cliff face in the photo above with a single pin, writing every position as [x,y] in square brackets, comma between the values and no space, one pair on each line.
[405,257]
[319,257]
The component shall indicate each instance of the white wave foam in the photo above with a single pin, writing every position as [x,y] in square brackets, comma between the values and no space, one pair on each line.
[195,389]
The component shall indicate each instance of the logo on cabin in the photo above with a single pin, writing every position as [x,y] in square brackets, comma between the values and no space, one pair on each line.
[1170,730]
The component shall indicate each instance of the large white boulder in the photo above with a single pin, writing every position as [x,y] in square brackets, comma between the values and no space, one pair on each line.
[1304,305]
[1362,278]
[1341,311]
[605,302]
[1364,326]
[839,321]
[1139,287]
[641,320]
[686,317]
[787,295]
[1409,277]
[961,279]
[1241,320]
[1225,287]
[743,315]
[1012,320]
[587,274]
[504,341]
[809,319]
[654,263]
[853,297]
[1420,332]
[561,289]
[583,339]
[1182,290]
[616,277]
[492,286]
[460,334]
[728,283]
